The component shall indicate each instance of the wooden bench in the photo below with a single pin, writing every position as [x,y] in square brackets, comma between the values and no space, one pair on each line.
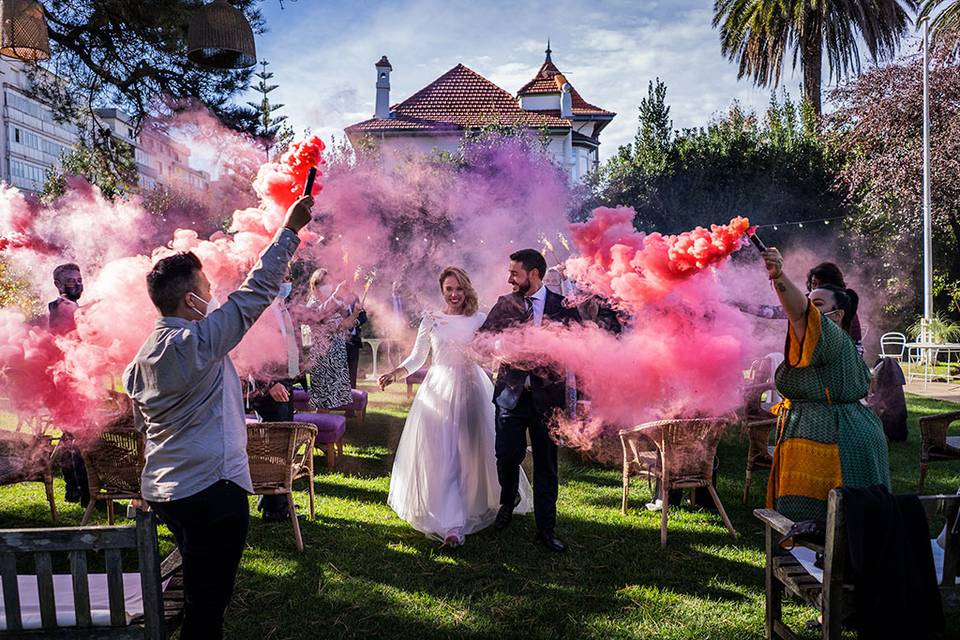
[162,606]
[833,594]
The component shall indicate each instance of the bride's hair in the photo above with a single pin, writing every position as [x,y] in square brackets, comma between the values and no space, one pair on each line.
[470,300]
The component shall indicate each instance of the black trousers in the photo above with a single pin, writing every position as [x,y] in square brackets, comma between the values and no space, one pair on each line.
[511,449]
[272,411]
[211,530]
[353,360]
[74,471]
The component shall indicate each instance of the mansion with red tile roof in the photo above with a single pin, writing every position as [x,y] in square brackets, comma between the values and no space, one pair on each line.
[461,100]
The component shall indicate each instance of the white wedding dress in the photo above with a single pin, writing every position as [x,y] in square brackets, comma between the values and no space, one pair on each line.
[445,473]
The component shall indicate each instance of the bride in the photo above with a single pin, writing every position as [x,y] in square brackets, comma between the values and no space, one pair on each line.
[444,480]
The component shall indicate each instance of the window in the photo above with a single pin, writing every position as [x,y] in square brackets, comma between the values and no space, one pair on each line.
[130,133]
[16,134]
[27,172]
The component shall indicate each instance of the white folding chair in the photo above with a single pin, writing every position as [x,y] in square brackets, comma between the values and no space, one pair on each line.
[892,345]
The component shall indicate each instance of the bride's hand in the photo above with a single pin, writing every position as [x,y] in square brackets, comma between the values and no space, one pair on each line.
[386,380]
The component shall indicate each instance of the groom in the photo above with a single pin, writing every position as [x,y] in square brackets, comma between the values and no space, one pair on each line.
[526,400]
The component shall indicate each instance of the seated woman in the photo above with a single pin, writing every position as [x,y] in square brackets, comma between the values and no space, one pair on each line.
[826,437]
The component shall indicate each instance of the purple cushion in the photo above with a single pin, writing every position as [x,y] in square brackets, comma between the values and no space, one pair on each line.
[357,404]
[330,427]
[417,376]
[301,400]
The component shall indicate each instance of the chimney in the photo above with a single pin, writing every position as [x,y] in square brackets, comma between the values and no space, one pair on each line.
[383,88]
[566,102]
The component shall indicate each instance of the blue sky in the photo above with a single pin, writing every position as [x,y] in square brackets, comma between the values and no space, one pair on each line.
[322,53]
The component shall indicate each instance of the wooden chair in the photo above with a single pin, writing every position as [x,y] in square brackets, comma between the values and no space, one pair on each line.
[935,444]
[84,621]
[683,459]
[26,457]
[114,461]
[279,453]
[832,594]
[415,377]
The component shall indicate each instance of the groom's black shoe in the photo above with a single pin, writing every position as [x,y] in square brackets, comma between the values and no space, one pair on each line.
[550,541]
[504,516]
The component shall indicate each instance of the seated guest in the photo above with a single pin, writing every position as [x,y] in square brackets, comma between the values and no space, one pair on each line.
[69,283]
[271,395]
[330,323]
[187,398]
[825,437]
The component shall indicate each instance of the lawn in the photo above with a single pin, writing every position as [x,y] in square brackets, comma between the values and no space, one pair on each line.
[366,574]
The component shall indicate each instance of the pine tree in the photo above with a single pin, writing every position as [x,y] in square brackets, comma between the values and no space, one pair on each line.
[270,126]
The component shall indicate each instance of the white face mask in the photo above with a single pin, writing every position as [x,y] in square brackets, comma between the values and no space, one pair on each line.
[286,288]
[212,304]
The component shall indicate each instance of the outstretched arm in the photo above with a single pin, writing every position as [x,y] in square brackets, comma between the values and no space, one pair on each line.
[416,359]
[793,301]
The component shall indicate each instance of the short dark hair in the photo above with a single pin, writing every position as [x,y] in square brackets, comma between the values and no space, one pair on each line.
[69,266]
[826,273]
[172,278]
[846,299]
[530,259]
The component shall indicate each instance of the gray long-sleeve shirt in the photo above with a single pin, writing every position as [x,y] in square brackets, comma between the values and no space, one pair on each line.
[186,392]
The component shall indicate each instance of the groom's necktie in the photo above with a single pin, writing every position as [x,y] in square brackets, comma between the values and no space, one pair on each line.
[528,314]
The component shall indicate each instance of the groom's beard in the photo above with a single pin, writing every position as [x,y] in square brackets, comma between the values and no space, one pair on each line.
[523,289]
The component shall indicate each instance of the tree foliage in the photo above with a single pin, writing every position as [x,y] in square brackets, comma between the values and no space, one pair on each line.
[760,33]
[106,162]
[132,55]
[879,123]
[772,170]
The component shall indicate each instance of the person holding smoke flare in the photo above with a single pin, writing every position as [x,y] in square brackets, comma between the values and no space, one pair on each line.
[187,398]
[826,437]
[825,273]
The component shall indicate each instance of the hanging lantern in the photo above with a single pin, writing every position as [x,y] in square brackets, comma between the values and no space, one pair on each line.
[220,36]
[23,30]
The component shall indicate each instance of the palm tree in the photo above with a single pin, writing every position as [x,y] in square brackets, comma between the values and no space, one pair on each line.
[759,32]
[947,20]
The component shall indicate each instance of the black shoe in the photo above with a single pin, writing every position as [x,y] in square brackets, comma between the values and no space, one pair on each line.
[273,516]
[504,516]
[550,541]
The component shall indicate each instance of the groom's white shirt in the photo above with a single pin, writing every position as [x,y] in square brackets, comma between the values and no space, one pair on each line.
[539,301]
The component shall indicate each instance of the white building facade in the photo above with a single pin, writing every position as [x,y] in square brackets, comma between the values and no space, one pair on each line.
[437,117]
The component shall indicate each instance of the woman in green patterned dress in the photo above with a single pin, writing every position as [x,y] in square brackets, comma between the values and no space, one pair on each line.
[826,437]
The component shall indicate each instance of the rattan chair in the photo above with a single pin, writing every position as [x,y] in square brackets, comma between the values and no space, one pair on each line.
[683,459]
[26,457]
[114,461]
[935,444]
[279,454]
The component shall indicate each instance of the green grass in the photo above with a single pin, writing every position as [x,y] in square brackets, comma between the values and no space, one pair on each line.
[367,574]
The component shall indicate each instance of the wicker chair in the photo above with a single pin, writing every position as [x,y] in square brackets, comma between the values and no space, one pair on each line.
[26,457]
[279,454]
[114,461]
[688,448]
[935,444]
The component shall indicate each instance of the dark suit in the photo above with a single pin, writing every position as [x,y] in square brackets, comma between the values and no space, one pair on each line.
[521,407]
[354,344]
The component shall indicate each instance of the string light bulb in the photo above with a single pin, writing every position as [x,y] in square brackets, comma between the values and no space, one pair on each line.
[774,227]
[800,224]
